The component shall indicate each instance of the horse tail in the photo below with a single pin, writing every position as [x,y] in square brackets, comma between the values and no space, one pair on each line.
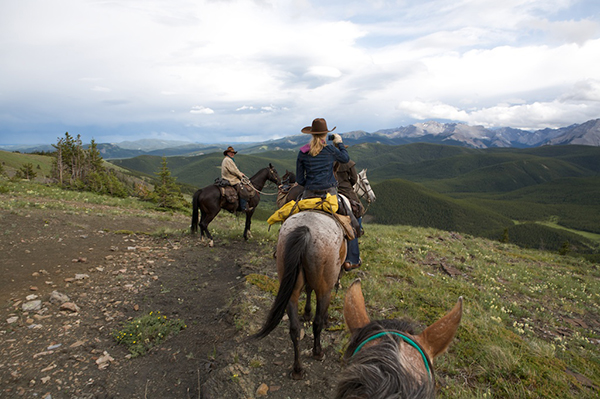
[194,227]
[296,246]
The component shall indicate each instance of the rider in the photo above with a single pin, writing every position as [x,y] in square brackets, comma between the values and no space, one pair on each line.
[347,177]
[231,173]
[314,165]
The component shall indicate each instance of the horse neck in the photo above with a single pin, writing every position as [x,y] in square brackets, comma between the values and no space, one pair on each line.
[260,178]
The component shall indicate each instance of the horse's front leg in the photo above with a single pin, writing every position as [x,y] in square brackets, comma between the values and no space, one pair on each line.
[292,311]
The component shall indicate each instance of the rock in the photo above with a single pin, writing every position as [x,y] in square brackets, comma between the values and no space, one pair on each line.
[32,305]
[104,361]
[45,379]
[262,390]
[70,306]
[81,276]
[12,319]
[31,297]
[57,297]
[33,288]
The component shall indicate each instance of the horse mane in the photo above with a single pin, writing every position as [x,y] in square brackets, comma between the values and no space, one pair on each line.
[377,371]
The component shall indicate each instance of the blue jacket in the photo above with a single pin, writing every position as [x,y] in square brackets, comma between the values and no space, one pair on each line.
[316,173]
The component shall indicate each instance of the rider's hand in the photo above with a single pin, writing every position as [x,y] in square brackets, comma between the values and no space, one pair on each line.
[337,139]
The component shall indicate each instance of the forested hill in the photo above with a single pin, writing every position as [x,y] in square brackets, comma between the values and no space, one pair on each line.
[485,192]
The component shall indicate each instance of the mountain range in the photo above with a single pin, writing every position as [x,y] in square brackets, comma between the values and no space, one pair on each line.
[457,134]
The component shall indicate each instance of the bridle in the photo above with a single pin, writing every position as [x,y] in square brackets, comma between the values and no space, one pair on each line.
[406,339]
[362,191]
[248,182]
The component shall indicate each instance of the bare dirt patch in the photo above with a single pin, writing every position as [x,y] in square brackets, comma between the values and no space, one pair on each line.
[112,276]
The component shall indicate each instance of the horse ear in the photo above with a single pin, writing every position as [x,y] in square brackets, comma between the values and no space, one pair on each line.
[355,313]
[270,166]
[437,337]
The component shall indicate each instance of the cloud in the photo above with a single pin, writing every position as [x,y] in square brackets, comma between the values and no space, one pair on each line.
[199,109]
[271,67]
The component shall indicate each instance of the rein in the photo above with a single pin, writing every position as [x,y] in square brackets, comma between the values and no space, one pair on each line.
[247,181]
[405,339]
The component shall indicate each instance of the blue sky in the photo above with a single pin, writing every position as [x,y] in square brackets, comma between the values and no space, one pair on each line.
[238,70]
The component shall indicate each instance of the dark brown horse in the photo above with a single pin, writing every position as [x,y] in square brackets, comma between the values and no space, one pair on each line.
[386,358]
[310,252]
[210,202]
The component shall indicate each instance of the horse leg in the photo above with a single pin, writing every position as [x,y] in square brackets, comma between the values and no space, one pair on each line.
[204,221]
[308,306]
[247,233]
[292,311]
[319,322]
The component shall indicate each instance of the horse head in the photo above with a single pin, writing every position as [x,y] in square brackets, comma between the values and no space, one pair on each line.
[362,188]
[386,357]
[288,177]
[273,175]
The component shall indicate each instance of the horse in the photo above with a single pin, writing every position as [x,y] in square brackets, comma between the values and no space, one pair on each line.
[362,188]
[209,200]
[310,251]
[385,358]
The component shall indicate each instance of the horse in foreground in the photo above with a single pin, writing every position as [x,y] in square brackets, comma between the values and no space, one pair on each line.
[386,358]
[210,201]
[310,251]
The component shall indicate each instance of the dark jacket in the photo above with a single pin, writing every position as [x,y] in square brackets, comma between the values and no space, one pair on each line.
[316,173]
[347,177]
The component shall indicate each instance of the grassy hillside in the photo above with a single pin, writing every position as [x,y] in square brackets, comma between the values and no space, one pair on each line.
[12,161]
[531,322]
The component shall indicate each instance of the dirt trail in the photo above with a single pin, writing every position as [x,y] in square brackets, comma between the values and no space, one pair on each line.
[111,276]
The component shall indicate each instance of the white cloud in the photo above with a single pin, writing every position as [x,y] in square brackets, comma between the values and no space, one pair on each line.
[274,66]
[199,109]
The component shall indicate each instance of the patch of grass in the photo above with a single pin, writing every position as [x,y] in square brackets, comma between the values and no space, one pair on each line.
[142,333]
[264,283]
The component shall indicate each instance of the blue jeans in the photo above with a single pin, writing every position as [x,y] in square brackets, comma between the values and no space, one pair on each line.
[353,255]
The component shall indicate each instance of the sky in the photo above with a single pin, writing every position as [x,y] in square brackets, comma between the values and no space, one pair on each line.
[233,71]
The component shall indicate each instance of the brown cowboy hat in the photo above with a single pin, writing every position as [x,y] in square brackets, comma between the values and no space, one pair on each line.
[229,149]
[319,126]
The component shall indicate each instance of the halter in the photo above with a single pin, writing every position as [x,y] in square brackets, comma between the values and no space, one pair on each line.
[406,339]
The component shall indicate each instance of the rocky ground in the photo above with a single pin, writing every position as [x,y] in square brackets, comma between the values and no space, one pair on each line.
[72,278]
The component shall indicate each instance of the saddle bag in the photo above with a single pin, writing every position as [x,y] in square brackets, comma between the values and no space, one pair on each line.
[229,193]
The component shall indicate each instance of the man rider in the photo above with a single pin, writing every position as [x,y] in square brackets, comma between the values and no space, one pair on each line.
[231,173]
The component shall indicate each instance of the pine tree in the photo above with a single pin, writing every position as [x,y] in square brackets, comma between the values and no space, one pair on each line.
[167,193]
[26,172]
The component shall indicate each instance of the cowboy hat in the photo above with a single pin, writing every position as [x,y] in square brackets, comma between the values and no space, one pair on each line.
[319,126]
[229,149]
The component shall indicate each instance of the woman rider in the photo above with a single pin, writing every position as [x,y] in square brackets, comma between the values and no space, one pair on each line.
[314,165]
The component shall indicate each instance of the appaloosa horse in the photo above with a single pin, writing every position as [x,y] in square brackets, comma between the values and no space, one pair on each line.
[386,358]
[310,252]
[210,201]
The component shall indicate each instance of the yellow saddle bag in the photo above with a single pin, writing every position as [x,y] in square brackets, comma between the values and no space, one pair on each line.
[329,204]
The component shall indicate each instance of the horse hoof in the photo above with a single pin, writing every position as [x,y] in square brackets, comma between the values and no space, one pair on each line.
[297,375]
[319,356]
[306,317]
[211,243]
